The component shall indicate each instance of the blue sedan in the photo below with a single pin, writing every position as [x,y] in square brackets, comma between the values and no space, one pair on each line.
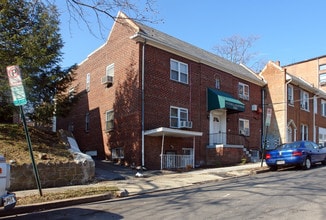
[299,153]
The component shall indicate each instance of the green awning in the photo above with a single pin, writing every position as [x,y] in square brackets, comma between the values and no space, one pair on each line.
[221,100]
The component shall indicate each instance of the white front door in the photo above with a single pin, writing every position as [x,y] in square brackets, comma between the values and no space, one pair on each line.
[217,131]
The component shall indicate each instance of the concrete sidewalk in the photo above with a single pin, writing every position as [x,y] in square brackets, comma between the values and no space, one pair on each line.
[129,184]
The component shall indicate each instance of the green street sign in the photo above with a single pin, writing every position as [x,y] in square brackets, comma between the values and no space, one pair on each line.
[18,95]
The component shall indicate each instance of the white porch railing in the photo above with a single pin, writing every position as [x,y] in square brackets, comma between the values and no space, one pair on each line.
[176,161]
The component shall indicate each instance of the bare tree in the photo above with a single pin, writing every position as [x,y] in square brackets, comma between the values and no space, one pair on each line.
[237,50]
[86,10]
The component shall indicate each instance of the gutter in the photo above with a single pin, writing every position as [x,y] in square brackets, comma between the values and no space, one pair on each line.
[143,106]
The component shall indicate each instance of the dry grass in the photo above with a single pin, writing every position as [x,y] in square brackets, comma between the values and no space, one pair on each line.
[13,146]
[47,197]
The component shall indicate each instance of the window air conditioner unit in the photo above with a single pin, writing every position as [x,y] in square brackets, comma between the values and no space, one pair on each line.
[107,80]
[254,108]
[243,132]
[185,124]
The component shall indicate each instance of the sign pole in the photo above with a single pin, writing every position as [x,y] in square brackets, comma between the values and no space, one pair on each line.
[19,99]
[28,139]
[264,147]
[267,124]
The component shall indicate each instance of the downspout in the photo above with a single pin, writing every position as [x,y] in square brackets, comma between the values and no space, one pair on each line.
[143,106]
[286,103]
[314,117]
[264,133]
[263,120]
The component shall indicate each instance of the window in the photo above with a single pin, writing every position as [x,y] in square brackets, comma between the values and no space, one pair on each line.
[304,100]
[109,120]
[322,136]
[322,67]
[322,79]
[187,151]
[217,84]
[178,71]
[290,95]
[107,80]
[177,115]
[243,91]
[118,153]
[87,122]
[71,94]
[304,132]
[110,70]
[323,108]
[88,82]
[244,127]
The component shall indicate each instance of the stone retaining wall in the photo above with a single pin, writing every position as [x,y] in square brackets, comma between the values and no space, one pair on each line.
[51,175]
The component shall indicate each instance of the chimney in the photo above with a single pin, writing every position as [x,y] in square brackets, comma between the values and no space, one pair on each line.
[278,63]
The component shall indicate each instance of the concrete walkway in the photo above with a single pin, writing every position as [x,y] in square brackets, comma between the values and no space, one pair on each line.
[124,178]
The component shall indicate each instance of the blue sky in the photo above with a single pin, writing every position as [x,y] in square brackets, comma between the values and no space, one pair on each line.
[289,30]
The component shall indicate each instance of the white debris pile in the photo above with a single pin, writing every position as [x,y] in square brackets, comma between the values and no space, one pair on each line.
[79,157]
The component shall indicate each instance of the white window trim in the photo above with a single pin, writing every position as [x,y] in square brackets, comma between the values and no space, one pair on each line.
[87,122]
[290,95]
[186,149]
[88,82]
[108,68]
[322,79]
[180,110]
[117,153]
[243,95]
[323,108]
[179,71]
[246,129]
[71,93]
[304,100]
[304,132]
[322,67]
[107,128]
[217,83]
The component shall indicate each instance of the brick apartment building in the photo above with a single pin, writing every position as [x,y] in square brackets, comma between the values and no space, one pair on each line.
[312,70]
[147,98]
[299,108]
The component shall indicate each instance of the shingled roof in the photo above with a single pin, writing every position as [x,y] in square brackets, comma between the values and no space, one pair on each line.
[174,45]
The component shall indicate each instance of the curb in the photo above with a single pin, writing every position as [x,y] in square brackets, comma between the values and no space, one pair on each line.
[86,199]
[54,204]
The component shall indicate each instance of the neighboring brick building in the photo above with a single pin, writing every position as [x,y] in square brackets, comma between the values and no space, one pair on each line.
[298,107]
[146,98]
[312,70]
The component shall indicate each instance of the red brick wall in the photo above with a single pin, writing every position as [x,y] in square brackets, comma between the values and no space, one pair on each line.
[283,112]
[224,156]
[123,96]
[160,93]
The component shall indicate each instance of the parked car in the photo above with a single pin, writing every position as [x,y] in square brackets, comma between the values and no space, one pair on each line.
[299,153]
[7,199]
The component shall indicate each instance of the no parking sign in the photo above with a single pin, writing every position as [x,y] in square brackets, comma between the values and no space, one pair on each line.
[16,85]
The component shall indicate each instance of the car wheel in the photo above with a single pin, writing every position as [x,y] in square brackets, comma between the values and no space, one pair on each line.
[324,162]
[273,168]
[307,164]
